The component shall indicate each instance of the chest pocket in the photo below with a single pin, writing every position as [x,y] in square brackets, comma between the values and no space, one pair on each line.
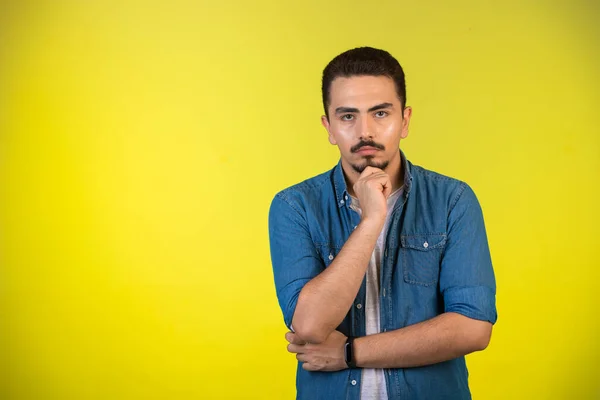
[421,258]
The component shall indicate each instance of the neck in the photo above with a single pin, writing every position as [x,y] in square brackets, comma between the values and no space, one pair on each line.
[394,170]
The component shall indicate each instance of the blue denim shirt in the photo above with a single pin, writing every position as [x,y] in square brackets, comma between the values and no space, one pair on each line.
[436,260]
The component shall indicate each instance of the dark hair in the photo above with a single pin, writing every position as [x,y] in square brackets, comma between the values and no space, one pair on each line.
[363,61]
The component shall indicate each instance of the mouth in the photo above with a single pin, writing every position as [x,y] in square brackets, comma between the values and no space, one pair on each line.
[367,151]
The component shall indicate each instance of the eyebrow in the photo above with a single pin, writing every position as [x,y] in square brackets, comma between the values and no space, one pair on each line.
[341,110]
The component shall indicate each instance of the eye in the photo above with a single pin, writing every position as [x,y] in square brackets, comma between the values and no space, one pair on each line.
[381,114]
[347,117]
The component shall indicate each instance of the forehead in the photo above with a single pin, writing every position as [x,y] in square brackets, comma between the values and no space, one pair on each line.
[357,90]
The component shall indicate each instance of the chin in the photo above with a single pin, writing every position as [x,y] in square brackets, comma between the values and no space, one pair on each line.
[370,162]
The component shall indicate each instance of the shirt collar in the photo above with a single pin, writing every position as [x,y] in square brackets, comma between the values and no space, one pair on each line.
[341,190]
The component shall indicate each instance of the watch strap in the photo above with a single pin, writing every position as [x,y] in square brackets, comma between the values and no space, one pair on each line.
[349,352]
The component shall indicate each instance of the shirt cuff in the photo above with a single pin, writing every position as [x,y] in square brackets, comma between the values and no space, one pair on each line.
[476,302]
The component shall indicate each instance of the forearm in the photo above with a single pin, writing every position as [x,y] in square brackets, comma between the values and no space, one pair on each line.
[325,300]
[447,336]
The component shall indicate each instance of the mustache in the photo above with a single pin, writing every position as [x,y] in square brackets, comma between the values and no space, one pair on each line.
[364,143]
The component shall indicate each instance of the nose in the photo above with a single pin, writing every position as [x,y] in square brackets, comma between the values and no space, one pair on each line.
[365,128]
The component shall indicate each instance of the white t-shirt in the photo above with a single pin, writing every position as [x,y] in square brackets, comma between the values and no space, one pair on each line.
[373,380]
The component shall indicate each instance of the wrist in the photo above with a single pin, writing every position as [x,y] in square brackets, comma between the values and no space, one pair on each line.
[358,350]
[374,224]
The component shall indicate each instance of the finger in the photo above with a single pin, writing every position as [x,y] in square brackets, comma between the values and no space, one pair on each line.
[387,189]
[375,175]
[289,336]
[309,367]
[373,180]
[302,357]
[370,171]
[379,179]
[296,340]
[295,348]
[367,171]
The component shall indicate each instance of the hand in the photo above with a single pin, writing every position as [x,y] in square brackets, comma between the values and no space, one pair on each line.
[326,356]
[372,188]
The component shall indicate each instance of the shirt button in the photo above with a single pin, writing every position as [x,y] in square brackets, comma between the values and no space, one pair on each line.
[359,306]
[354,227]
[341,201]
[383,292]
[353,382]
[426,245]
[330,257]
[346,197]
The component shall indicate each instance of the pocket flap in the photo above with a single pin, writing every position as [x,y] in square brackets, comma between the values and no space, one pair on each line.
[423,242]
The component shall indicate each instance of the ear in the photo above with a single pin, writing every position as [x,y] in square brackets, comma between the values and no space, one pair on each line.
[325,123]
[405,121]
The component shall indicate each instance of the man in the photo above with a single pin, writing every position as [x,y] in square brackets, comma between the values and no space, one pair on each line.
[382,268]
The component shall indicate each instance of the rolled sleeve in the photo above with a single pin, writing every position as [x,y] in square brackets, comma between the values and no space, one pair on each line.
[294,257]
[476,302]
[467,279]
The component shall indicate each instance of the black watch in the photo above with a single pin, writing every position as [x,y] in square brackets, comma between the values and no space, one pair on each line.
[349,352]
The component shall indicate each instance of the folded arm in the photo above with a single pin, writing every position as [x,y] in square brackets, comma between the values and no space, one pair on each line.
[325,300]
[445,337]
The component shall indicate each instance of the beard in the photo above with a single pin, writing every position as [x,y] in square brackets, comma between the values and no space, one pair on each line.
[370,162]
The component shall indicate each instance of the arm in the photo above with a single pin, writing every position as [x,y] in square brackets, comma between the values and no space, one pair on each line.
[468,288]
[315,299]
[325,300]
[447,336]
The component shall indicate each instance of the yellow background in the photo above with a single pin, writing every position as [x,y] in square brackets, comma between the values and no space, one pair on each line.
[142,142]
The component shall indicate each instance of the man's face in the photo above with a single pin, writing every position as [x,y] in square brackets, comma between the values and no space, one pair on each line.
[366,121]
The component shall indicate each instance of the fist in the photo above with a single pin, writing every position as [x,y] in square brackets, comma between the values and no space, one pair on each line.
[326,356]
[372,188]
